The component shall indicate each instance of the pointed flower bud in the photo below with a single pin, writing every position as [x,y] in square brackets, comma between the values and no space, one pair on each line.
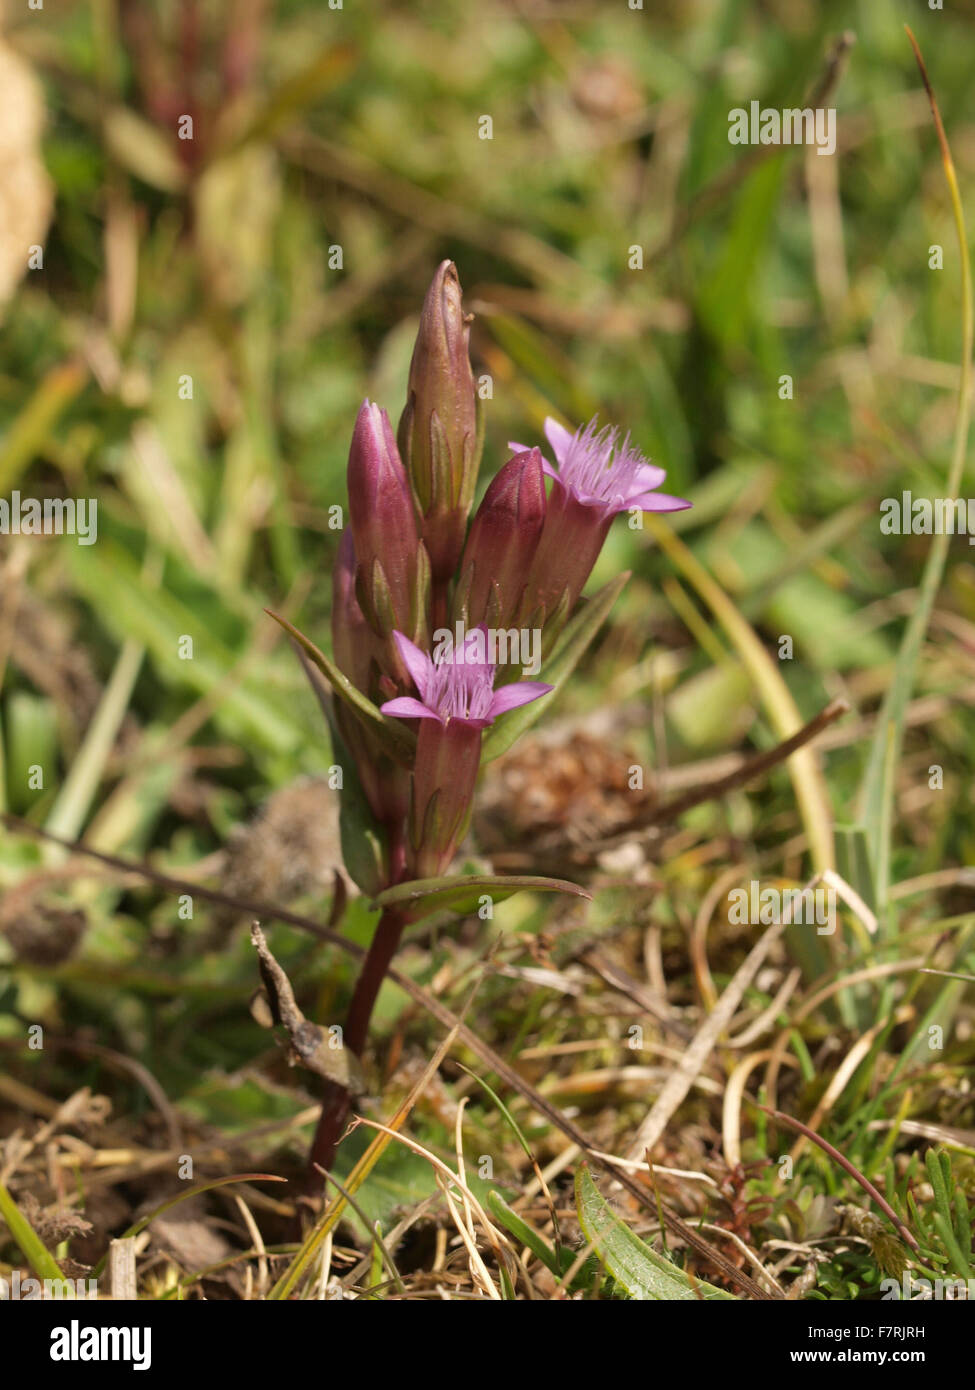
[457,701]
[438,428]
[383,519]
[502,542]
[598,475]
[393,572]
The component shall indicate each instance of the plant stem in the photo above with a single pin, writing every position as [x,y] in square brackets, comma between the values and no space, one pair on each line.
[373,972]
[336,1101]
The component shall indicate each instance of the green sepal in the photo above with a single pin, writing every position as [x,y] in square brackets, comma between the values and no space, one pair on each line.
[421,580]
[442,492]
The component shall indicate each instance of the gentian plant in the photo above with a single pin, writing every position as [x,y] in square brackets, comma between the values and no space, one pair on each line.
[436,618]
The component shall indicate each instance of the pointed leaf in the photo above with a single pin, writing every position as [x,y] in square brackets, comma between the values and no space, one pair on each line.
[35,1252]
[461,894]
[537,1244]
[362,837]
[398,741]
[636,1268]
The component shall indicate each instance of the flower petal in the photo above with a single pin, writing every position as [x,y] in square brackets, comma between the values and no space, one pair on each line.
[518,693]
[659,502]
[405,707]
[416,662]
[648,476]
[558,436]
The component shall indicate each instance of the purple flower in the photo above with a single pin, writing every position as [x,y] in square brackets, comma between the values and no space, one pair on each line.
[598,475]
[459,688]
[457,701]
[603,473]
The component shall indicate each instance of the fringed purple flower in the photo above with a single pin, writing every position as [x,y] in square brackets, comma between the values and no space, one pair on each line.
[457,702]
[597,476]
[604,473]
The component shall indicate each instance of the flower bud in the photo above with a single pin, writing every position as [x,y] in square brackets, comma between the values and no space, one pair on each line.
[502,542]
[569,546]
[393,572]
[438,428]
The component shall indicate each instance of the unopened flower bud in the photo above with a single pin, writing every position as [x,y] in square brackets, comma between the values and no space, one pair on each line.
[502,542]
[393,572]
[438,428]
[358,655]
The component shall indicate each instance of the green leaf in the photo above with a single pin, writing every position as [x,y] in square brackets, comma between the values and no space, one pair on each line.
[727,299]
[360,834]
[28,432]
[853,861]
[35,1252]
[363,839]
[527,1235]
[634,1266]
[462,893]
[398,741]
[154,615]
[879,779]
[936,1176]
[568,652]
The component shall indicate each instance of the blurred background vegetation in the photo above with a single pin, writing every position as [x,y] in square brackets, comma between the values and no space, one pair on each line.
[210,313]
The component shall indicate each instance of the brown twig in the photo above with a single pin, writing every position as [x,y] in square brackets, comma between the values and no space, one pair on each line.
[754,767]
[853,1171]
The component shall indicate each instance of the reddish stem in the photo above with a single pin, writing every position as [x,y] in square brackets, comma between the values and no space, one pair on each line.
[336,1101]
